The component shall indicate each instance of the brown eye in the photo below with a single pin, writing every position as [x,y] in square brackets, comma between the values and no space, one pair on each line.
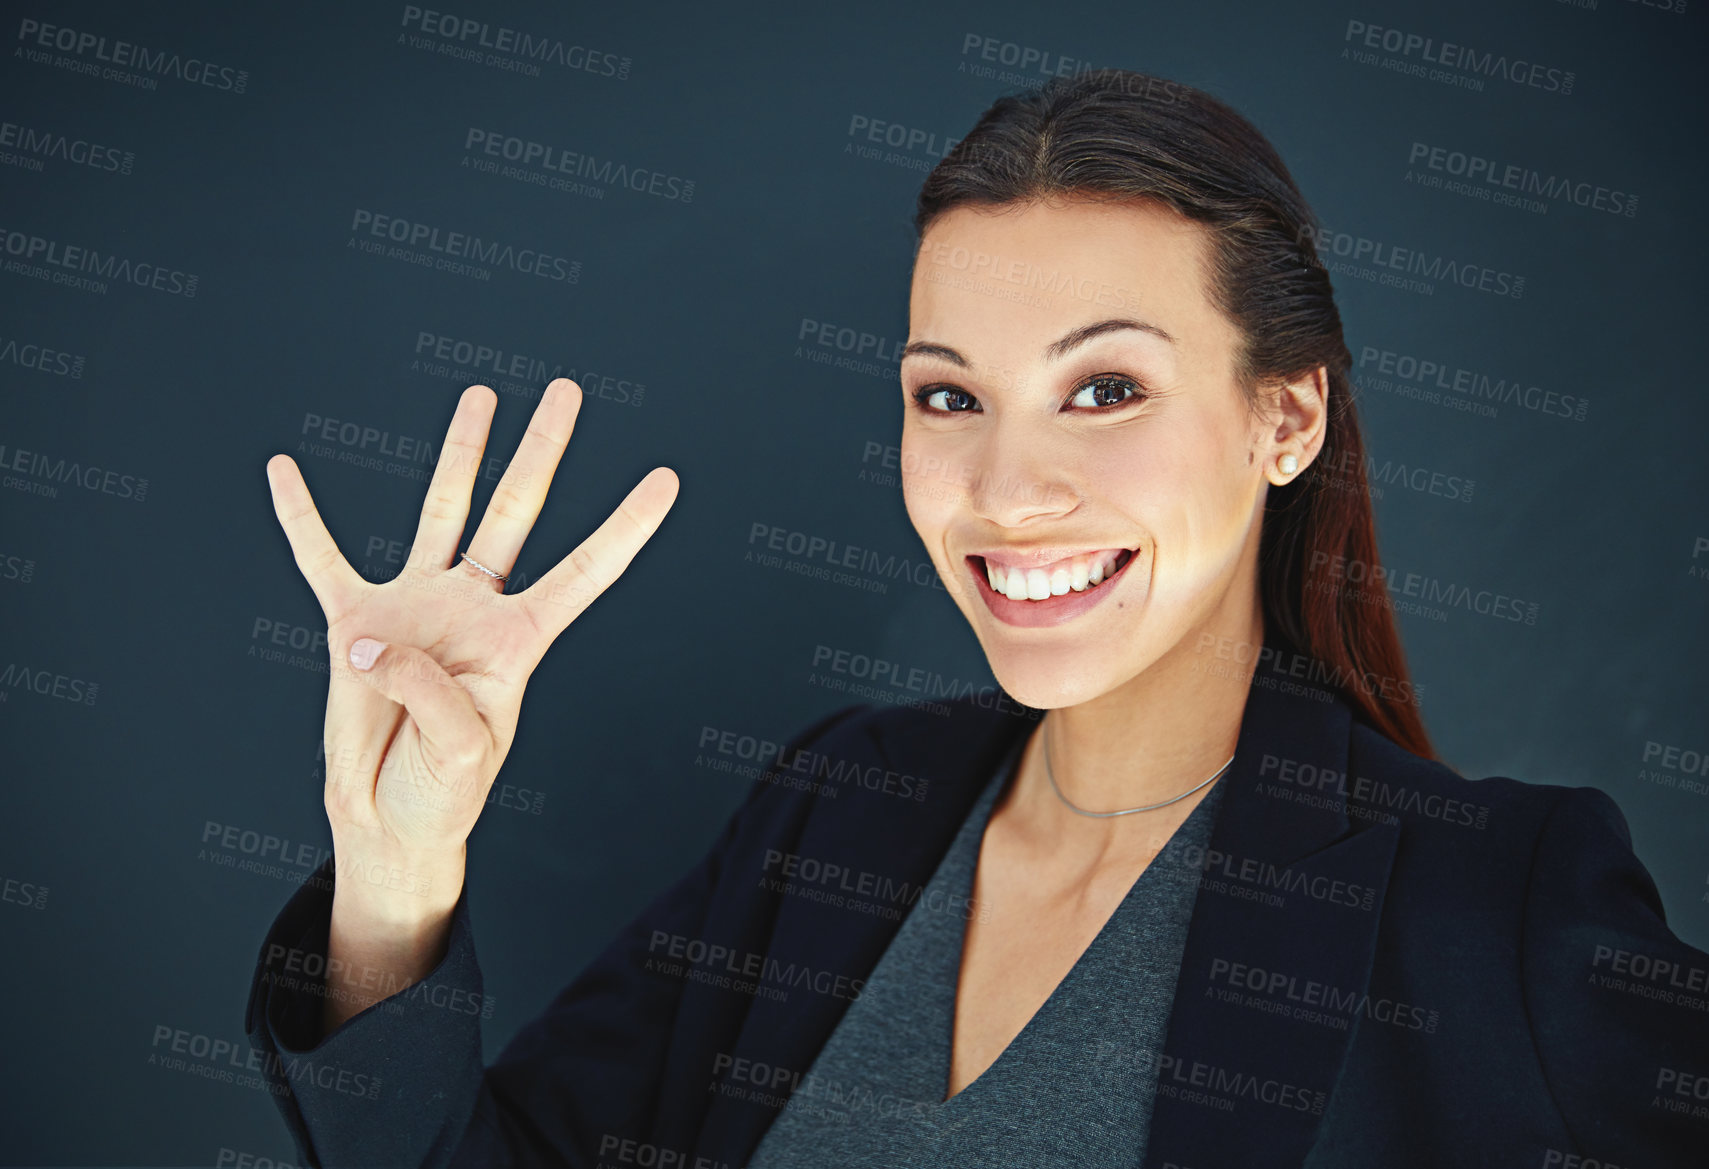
[1104,391]
[945,400]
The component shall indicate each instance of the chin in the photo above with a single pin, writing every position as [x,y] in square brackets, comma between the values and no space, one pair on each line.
[1048,677]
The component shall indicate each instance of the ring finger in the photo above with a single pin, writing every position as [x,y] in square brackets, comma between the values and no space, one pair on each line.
[521,491]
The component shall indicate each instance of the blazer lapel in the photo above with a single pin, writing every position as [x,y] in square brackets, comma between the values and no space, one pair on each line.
[1289,903]
[882,845]
[1282,934]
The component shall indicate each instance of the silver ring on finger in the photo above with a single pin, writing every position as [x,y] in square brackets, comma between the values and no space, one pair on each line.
[498,576]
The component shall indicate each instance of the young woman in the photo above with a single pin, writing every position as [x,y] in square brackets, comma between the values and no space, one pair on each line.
[1218,906]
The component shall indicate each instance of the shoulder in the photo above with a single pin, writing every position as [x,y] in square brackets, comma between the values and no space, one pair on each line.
[1485,835]
[1422,793]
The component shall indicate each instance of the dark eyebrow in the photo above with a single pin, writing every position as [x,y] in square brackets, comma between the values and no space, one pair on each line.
[1053,351]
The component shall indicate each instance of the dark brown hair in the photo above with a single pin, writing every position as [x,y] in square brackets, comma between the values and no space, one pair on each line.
[1119,135]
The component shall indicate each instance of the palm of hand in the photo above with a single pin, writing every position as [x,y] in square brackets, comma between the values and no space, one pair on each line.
[414,743]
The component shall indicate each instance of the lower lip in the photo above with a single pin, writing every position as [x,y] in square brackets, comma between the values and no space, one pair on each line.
[1053,611]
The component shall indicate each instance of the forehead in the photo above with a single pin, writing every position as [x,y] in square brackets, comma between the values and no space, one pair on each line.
[999,284]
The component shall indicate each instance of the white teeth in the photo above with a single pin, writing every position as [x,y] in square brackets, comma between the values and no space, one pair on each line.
[1077,574]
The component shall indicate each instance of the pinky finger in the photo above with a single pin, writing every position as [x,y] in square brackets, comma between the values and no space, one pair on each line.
[560,596]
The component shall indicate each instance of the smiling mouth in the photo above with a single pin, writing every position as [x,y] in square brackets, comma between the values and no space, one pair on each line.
[1076,574]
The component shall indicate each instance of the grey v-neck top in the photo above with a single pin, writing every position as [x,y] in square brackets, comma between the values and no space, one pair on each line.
[1075,1087]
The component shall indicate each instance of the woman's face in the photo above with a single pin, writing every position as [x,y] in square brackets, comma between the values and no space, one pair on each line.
[1115,469]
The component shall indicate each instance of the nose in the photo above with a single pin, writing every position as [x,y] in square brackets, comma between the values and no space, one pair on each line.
[1017,475]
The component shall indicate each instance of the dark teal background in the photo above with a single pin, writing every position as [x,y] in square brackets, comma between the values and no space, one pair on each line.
[702,303]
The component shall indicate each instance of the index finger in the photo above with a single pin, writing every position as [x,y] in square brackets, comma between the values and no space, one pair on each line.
[334,582]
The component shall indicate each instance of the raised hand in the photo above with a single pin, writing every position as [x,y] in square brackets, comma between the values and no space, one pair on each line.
[428,669]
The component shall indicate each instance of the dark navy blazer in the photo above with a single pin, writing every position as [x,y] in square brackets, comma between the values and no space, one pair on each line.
[1388,965]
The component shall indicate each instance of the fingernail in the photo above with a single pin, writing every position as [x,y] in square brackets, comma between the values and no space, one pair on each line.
[364,651]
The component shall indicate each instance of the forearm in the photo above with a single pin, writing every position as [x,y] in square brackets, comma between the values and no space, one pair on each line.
[391,917]
[396,1086]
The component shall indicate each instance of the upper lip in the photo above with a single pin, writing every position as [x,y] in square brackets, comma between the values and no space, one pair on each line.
[1037,557]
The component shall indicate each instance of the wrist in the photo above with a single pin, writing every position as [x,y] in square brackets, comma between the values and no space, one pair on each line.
[394,889]
[390,923]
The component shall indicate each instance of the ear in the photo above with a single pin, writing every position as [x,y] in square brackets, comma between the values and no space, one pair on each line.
[1300,412]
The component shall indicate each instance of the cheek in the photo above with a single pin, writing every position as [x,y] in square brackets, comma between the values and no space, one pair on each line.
[929,488]
[1183,486]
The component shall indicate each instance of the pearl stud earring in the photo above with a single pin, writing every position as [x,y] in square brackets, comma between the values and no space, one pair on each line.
[1288,464]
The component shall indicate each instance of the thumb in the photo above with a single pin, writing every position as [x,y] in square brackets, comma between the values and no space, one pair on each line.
[444,712]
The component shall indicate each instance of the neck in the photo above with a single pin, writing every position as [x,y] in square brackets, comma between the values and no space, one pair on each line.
[1160,733]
